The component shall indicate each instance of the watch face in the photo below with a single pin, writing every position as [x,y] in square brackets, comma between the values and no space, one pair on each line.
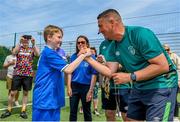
[133,77]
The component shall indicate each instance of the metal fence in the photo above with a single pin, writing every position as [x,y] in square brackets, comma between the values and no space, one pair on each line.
[165,25]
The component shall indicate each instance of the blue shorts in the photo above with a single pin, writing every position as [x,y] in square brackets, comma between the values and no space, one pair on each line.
[45,114]
[152,105]
[123,98]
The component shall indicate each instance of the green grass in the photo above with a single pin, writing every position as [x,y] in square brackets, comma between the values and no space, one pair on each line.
[64,111]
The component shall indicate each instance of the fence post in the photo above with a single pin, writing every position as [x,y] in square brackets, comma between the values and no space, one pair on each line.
[14,39]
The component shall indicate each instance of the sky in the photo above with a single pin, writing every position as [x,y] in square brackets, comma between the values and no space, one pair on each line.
[30,16]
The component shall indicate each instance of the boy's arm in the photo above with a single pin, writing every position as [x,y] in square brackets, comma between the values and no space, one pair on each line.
[72,66]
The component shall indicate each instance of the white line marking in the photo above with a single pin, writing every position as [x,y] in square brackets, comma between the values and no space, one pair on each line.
[2,109]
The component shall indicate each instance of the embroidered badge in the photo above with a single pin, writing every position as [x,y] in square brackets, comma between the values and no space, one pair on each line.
[104,47]
[132,50]
[86,64]
[117,53]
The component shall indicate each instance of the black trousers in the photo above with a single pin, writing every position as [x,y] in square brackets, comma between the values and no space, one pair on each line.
[79,92]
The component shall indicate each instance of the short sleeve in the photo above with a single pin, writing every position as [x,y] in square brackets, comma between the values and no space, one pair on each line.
[6,60]
[110,53]
[148,44]
[55,61]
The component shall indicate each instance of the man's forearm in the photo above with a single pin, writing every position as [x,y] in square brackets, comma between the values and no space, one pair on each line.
[149,72]
[104,70]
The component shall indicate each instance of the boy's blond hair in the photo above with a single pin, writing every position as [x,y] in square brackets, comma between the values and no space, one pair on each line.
[51,30]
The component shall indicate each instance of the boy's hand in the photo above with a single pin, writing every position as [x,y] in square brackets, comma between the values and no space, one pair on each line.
[82,51]
[88,52]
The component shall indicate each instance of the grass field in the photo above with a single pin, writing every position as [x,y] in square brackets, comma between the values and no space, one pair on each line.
[64,112]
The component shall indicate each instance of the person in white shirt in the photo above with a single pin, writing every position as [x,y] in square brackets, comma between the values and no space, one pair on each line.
[9,64]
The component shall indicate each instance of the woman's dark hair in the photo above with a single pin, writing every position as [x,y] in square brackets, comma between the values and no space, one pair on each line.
[85,38]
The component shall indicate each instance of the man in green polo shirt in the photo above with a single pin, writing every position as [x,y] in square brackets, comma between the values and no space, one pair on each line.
[146,65]
[114,97]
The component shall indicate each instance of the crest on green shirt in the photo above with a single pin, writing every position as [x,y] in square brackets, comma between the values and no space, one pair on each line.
[132,50]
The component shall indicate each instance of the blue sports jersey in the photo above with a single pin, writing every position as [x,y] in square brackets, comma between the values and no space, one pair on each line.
[48,90]
[83,73]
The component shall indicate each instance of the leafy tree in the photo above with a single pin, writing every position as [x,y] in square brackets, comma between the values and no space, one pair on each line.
[3,53]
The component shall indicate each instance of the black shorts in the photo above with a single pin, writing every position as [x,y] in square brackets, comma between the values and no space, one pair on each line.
[25,81]
[108,103]
[117,98]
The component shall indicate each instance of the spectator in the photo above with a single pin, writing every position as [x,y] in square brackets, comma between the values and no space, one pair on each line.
[80,85]
[9,63]
[176,60]
[23,73]
[96,86]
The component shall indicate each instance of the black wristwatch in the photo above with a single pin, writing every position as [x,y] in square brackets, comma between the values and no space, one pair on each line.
[133,76]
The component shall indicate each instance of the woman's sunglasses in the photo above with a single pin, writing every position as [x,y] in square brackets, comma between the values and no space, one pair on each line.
[82,42]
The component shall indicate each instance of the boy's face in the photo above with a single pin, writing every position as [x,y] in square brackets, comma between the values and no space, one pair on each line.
[55,40]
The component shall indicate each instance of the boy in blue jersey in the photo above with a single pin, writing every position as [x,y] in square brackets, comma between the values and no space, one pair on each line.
[146,65]
[48,93]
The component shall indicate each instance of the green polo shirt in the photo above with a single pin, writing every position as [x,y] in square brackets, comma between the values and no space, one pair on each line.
[103,50]
[133,52]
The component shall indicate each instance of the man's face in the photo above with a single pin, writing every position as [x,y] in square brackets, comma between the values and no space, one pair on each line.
[106,28]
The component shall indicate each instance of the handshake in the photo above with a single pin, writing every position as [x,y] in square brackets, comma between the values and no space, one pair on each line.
[85,51]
